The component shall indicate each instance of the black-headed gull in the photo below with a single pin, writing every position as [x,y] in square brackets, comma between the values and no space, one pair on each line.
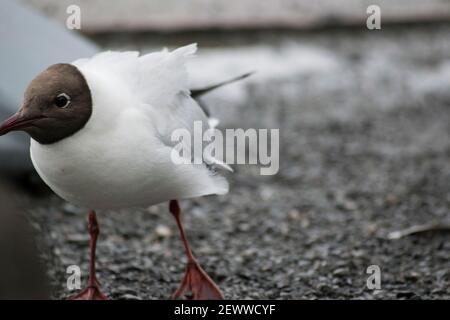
[101,138]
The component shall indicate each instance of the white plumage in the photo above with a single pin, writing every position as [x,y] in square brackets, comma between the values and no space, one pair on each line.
[121,158]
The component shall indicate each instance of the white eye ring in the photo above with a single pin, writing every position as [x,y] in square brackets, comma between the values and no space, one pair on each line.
[62,100]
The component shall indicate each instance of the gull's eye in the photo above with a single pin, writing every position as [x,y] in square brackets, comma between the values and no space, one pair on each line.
[62,100]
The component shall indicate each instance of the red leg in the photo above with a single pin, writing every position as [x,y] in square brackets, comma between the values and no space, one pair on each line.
[92,292]
[195,281]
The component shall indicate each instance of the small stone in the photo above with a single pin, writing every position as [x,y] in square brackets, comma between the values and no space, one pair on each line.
[371,229]
[358,253]
[391,200]
[340,271]
[305,223]
[129,297]
[412,276]
[72,209]
[244,227]
[294,214]
[249,252]
[78,238]
[267,193]
[153,210]
[163,231]
[284,229]
[348,205]
[205,250]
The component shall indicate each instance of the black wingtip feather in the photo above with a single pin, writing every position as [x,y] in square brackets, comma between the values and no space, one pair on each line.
[196,93]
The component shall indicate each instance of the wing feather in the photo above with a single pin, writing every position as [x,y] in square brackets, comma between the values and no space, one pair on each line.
[160,82]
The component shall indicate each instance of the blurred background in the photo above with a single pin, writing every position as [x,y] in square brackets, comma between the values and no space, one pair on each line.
[364,119]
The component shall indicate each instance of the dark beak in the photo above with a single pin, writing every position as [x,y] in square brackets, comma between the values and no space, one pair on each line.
[19,121]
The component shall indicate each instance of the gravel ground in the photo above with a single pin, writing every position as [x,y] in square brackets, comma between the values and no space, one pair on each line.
[365,151]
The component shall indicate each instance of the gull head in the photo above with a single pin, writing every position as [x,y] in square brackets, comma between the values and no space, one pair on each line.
[56,104]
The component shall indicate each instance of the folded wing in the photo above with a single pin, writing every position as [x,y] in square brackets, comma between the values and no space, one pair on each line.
[160,81]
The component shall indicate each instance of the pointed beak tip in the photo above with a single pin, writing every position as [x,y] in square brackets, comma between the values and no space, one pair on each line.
[12,123]
[5,127]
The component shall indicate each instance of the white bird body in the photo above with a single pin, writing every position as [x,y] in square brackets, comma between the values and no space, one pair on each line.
[122,156]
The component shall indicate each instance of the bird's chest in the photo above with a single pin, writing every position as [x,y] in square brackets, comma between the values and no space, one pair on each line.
[66,158]
[92,173]
[67,166]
